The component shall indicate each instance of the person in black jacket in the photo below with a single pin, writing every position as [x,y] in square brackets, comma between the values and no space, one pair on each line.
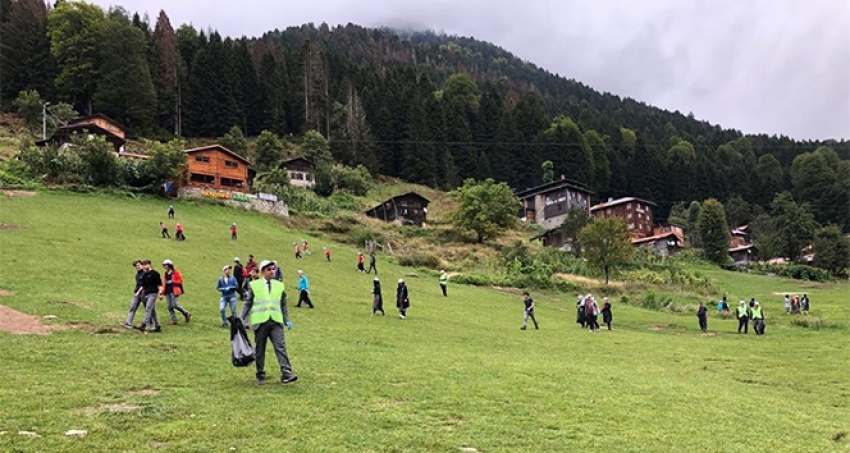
[137,298]
[607,316]
[702,316]
[402,299]
[151,282]
[528,312]
[378,301]
[238,271]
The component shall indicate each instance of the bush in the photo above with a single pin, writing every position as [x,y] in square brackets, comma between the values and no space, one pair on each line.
[419,260]
[814,323]
[803,272]
[473,279]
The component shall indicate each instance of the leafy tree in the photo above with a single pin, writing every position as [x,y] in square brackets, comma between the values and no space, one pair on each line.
[770,178]
[165,162]
[548,171]
[794,225]
[315,148]
[29,106]
[601,165]
[763,237]
[268,151]
[818,180]
[272,181]
[124,87]
[713,230]
[691,224]
[678,214]
[74,30]
[485,207]
[606,244]
[25,59]
[99,164]
[568,151]
[576,219]
[462,91]
[740,212]
[832,250]
[235,141]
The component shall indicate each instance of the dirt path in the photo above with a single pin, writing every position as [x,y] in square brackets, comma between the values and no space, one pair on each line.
[15,322]
[19,193]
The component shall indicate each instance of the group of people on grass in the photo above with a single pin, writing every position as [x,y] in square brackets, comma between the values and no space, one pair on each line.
[588,311]
[751,313]
[795,305]
[150,286]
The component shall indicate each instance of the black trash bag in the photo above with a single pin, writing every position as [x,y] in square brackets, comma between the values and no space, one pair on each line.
[242,351]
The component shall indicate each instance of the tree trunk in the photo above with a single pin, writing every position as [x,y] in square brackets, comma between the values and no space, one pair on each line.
[480,238]
[606,275]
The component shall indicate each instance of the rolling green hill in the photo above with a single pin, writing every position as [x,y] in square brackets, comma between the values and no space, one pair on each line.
[458,373]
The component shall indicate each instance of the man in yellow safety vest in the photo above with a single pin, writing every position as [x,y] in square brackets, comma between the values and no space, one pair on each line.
[758,319]
[265,301]
[743,314]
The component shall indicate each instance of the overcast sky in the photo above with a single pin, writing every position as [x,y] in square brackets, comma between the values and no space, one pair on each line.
[772,66]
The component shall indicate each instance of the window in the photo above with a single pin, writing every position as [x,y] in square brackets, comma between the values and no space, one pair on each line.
[202,159]
[227,182]
[309,177]
[297,176]
[629,215]
[231,164]
[202,179]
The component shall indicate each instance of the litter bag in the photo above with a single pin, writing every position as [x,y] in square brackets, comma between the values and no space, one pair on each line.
[242,351]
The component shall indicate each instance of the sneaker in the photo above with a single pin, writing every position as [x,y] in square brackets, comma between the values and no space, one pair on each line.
[173,322]
[224,325]
[261,381]
[140,327]
[373,314]
[522,328]
[188,317]
[127,326]
[288,380]
[158,329]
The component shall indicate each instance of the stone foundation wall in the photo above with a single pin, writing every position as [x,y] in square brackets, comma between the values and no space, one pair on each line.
[237,200]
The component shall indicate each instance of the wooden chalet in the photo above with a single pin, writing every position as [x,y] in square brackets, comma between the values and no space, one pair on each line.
[301,171]
[97,124]
[637,213]
[216,167]
[666,240]
[548,204]
[407,209]
[741,250]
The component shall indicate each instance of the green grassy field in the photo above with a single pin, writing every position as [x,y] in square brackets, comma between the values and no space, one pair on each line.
[458,373]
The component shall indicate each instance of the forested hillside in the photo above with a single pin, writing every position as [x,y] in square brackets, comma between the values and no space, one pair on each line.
[428,108]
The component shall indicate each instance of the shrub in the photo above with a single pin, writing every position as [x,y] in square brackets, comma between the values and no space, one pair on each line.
[473,279]
[803,272]
[419,260]
[814,323]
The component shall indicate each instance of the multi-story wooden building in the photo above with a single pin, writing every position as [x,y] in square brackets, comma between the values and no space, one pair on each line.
[301,171]
[408,209]
[637,213]
[547,205]
[216,167]
[666,240]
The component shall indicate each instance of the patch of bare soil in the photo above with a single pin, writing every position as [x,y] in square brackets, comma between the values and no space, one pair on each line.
[145,392]
[120,407]
[6,226]
[19,193]
[587,281]
[657,327]
[5,292]
[18,323]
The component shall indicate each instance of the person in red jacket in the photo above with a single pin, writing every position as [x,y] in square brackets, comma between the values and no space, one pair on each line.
[327,253]
[360,262]
[179,236]
[233,232]
[172,288]
[297,250]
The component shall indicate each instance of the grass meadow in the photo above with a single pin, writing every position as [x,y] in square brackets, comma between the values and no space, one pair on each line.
[457,375]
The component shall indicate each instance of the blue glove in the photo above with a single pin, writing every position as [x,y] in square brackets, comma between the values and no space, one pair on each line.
[289,325]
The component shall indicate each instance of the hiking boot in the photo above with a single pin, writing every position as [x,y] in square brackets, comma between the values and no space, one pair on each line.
[188,317]
[522,328]
[262,380]
[289,379]
[224,325]
[157,329]
[140,327]
[173,322]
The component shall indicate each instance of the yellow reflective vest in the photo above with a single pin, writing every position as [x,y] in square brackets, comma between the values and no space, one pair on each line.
[266,303]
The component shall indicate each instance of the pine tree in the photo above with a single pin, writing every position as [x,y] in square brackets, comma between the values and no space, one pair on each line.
[25,59]
[165,61]
[507,147]
[714,231]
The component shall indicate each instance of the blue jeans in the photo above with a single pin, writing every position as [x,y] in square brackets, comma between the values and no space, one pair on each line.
[225,301]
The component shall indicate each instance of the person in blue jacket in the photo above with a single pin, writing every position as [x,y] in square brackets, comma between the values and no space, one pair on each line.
[227,286]
[304,290]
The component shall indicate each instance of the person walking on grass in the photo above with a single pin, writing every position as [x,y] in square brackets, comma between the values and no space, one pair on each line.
[795,304]
[171,212]
[528,312]
[179,235]
[137,298]
[171,290]
[743,315]
[372,261]
[805,303]
[239,274]
[233,235]
[163,228]
[607,316]
[360,262]
[251,264]
[227,285]
[580,318]
[265,303]
[402,299]
[378,299]
[151,283]
[327,253]
[787,305]
[444,280]
[278,272]
[303,290]
[591,313]
[305,247]
[297,250]
[757,314]
[702,316]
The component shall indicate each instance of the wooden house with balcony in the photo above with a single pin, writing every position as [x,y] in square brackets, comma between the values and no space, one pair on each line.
[216,167]
[97,124]
[636,212]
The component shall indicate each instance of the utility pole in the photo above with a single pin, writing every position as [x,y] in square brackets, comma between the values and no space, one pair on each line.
[44,121]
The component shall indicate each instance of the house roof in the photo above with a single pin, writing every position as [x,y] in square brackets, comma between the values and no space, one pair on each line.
[741,248]
[83,119]
[739,232]
[296,159]
[69,129]
[133,155]
[413,194]
[619,201]
[554,185]
[220,148]
[657,237]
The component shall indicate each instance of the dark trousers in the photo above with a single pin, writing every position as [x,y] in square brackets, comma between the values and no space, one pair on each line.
[298,255]
[232,236]
[165,234]
[273,331]
[703,323]
[743,322]
[305,298]
[529,314]
[360,267]
[443,287]
[607,320]
[372,266]
[591,322]
[758,326]
[378,305]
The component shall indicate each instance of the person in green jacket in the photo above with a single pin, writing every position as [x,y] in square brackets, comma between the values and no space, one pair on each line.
[743,314]
[758,319]
[444,280]
[265,302]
